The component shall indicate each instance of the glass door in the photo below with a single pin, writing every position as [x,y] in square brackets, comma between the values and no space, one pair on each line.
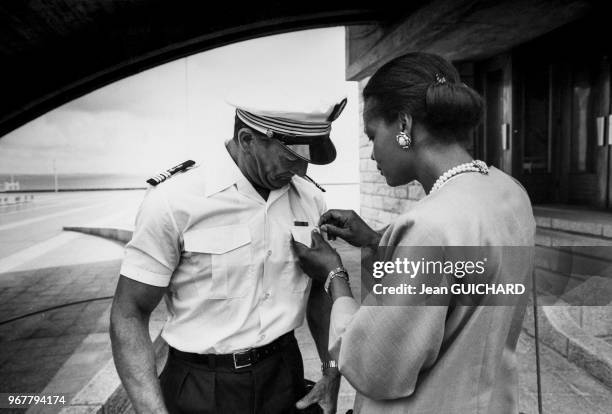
[584,109]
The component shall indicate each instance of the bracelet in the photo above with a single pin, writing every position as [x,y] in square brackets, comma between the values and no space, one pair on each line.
[337,272]
[328,364]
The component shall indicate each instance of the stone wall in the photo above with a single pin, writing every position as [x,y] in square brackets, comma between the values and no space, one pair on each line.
[380,204]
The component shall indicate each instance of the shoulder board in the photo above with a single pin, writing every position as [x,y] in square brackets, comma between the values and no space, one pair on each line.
[160,178]
[313,182]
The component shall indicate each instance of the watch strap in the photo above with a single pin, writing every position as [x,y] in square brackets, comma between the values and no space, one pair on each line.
[329,364]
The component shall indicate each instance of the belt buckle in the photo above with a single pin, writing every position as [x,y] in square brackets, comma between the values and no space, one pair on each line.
[238,364]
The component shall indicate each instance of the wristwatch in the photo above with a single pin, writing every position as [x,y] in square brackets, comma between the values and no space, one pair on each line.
[328,364]
[340,271]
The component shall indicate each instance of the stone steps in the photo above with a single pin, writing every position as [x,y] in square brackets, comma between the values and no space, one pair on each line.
[573,266]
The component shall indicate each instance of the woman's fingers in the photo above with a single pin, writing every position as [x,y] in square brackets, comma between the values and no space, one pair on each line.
[334,216]
[334,231]
[326,217]
[318,240]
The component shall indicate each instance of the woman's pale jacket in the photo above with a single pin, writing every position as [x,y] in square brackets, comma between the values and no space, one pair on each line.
[451,358]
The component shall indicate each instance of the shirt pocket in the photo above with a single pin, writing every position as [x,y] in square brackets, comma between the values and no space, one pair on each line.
[222,259]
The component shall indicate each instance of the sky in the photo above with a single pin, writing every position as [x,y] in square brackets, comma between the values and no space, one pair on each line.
[151,121]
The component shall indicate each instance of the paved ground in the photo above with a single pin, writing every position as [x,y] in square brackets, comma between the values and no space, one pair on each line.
[68,343]
[566,389]
[41,267]
[25,226]
[67,346]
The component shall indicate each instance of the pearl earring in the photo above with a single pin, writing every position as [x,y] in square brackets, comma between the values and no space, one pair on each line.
[404,140]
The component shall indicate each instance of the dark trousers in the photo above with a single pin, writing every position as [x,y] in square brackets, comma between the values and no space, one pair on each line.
[271,386]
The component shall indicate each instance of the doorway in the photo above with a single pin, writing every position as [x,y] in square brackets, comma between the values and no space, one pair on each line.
[493,141]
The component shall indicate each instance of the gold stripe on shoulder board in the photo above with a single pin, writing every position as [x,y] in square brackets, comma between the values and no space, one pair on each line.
[163,176]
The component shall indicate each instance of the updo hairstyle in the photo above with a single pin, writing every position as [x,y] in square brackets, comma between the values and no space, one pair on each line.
[428,88]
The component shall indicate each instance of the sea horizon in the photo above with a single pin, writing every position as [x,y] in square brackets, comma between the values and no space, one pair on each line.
[337,195]
[74,181]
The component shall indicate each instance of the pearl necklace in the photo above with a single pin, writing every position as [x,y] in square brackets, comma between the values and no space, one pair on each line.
[474,166]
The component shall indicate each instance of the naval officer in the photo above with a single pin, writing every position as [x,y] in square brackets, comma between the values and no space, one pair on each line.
[214,242]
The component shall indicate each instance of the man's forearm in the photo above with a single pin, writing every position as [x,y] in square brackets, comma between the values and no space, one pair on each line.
[319,310]
[135,361]
[318,313]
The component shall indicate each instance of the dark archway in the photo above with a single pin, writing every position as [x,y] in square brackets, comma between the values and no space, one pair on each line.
[53,52]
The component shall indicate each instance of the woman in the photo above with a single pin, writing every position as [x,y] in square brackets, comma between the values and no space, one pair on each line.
[457,356]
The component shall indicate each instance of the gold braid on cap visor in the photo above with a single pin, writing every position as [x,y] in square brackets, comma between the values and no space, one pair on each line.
[294,129]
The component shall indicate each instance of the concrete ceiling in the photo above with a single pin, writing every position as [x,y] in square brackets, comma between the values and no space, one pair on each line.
[460,30]
[53,51]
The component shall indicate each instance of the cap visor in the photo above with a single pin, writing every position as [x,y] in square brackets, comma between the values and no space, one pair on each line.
[322,152]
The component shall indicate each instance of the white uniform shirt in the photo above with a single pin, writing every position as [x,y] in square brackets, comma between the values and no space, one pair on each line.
[225,255]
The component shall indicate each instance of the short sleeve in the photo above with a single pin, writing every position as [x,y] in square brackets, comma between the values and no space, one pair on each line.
[154,251]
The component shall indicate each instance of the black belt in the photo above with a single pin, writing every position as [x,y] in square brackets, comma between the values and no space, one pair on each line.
[239,359]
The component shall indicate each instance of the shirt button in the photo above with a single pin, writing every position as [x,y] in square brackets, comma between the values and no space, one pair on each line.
[269,253]
[262,337]
[267,295]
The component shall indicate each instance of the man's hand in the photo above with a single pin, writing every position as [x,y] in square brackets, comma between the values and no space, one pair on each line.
[324,392]
[318,260]
[347,225]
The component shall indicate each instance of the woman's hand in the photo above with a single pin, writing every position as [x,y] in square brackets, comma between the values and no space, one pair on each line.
[347,225]
[318,260]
